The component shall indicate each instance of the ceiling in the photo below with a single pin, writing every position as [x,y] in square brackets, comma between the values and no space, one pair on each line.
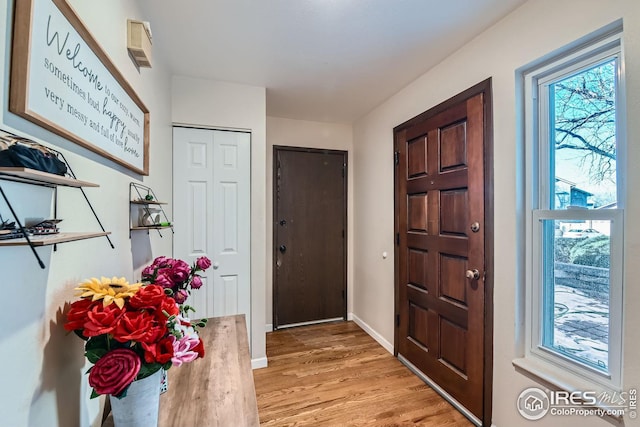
[322,60]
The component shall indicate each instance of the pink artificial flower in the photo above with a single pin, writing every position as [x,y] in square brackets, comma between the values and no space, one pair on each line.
[164,281]
[203,263]
[196,282]
[184,349]
[160,261]
[180,271]
[180,296]
[148,271]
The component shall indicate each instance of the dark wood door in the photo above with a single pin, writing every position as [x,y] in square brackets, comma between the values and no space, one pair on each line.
[440,259]
[309,236]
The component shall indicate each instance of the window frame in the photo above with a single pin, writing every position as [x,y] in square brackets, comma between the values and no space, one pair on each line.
[547,364]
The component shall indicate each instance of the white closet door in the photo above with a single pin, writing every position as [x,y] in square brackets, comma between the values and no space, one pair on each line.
[211,211]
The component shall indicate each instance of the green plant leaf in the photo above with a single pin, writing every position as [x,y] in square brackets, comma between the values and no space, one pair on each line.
[95,354]
[94,394]
[148,369]
[78,332]
[100,341]
[123,394]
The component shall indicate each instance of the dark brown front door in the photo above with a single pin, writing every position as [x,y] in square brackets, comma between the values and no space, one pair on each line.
[440,261]
[310,206]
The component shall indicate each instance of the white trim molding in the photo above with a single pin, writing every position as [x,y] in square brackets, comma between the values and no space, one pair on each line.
[260,362]
[369,330]
[475,420]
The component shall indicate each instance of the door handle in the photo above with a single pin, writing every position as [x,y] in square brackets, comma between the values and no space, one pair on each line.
[472,274]
[216,265]
[283,249]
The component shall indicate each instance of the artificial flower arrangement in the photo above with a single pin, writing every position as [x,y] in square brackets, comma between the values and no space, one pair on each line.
[134,330]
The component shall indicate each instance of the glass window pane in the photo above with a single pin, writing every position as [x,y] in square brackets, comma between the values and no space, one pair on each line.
[575,298]
[583,138]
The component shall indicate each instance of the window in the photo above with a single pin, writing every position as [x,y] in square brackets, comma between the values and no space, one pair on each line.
[574,209]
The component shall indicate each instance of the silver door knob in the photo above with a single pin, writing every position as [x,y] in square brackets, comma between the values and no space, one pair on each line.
[216,265]
[473,274]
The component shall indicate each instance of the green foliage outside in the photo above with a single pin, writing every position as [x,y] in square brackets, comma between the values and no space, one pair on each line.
[563,249]
[593,251]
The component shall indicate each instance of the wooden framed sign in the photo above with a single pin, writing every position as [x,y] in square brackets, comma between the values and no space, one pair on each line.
[62,80]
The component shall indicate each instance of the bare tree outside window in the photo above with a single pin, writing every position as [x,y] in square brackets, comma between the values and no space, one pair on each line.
[584,130]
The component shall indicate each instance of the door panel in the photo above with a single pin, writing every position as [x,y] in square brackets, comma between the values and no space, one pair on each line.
[439,193]
[309,236]
[212,216]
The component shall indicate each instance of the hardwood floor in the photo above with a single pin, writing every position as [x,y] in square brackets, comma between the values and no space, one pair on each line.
[336,375]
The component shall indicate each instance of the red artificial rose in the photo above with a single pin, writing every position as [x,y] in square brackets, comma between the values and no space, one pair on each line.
[133,325]
[160,352]
[169,305]
[114,371]
[199,349]
[77,315]
[154,333]
[150,296]
[101,320]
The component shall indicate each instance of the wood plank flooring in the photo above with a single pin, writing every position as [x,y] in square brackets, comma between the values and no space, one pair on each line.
[336,375]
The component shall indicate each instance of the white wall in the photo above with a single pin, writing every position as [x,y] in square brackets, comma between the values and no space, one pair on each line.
[42,377]
[301,133]
[221,105]
[534,30]
[42,367]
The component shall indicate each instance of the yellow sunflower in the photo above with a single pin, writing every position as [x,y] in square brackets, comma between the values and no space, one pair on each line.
[112,290]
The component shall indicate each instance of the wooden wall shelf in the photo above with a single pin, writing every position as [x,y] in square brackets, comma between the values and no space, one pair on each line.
[137,194]
[52,239]
[147,202]
[36,177]
[31,176]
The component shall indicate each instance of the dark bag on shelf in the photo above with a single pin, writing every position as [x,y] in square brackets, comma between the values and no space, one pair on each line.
[33,156]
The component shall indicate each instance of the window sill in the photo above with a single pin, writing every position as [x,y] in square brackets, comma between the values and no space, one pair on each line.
[560,379]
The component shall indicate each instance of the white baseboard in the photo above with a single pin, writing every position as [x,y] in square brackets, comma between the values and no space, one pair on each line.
[268,327]
[369,330]
[258,363]
[441,391]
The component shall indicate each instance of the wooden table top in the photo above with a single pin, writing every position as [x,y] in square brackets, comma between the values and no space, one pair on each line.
[217,390]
